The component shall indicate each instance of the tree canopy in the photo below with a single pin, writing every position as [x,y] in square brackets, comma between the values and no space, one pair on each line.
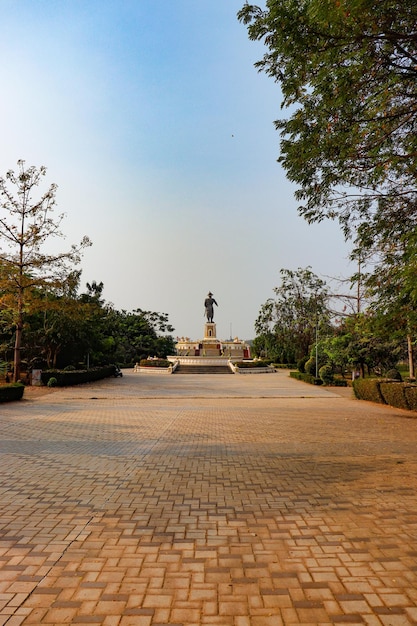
[287,324]
[347,70]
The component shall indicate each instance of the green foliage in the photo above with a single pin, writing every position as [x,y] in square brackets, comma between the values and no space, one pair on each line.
[347,70]
[9,393]
[326,374]
[306,378]
[364,341]
[394,374]
[310,366]
[76,377]
[288,322]
[368,389]
[411,396]
[52,382]
[394,394]
[301,364]
[252,364]
[155,363]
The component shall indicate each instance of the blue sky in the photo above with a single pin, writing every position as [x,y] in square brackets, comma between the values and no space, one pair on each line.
[158,130]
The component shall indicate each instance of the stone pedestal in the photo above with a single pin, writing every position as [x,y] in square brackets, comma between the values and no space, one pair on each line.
[211,346]
[210,330]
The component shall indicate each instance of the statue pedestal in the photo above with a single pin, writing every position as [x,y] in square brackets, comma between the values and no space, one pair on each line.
[210,330]
[210,346]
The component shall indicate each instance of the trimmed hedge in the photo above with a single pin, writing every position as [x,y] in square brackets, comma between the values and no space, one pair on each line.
[368,389]
[155,363]
[65,378]
[306,378]
[251,364]
[394,394]
[9,393]
[410,392]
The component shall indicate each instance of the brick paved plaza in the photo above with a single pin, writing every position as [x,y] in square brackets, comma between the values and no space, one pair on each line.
[207,500]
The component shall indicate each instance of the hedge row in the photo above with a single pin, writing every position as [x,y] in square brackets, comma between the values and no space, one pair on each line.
[65,378]
[251,364]
[11,392]
[397,394]
[155,363]
[306,378]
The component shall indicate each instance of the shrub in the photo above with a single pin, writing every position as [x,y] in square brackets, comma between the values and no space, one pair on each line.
[11,392]
[301,364]
[251,364]
[339,382]
[368,389]
[410,392]
[76,377]
[155,363]
[394,374]
[326,374]
[306,378]
[310,366]
[394,394]
[52,382]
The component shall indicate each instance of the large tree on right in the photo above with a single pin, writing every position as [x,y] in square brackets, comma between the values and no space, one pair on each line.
[348,74]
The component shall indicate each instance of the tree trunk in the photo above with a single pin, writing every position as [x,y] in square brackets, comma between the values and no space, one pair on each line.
[410,358]
[17,352]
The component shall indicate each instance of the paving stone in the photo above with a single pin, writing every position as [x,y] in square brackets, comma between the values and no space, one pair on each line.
[248,501]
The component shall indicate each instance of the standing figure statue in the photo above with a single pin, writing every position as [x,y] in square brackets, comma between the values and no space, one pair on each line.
[208,303]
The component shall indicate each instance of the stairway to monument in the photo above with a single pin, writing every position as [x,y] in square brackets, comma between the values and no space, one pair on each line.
[203,369]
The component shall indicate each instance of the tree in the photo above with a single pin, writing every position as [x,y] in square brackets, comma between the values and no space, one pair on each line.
[393,288]
[291,319]
[139,334]
[347,70]
[26,224]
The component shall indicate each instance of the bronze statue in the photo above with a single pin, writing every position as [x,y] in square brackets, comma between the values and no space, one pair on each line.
[208,303]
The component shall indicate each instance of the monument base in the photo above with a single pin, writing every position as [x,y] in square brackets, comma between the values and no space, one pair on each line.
[210,330]
[211,347]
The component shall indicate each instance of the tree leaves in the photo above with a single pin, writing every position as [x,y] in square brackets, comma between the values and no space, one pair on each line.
[347,71]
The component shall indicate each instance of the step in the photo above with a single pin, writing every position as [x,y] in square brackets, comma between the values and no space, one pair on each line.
[203,369]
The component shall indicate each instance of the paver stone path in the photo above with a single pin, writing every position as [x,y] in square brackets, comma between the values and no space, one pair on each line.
[249,500]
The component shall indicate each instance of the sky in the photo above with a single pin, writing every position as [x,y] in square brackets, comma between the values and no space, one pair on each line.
[159,132]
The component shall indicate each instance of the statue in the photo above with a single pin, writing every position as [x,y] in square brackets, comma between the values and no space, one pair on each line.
[208,303]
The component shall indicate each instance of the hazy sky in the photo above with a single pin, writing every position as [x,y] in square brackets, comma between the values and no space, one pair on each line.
[158,130]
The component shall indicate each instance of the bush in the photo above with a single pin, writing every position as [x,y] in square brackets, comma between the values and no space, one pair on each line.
[251,364]
[301,364]
[52,382]
[368,389]
[67,378]
[310,366]
[155,363]
[306,378]
[394,394]
[394,374]
[11,392]
[410,392]
[339,382]
[326,374]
